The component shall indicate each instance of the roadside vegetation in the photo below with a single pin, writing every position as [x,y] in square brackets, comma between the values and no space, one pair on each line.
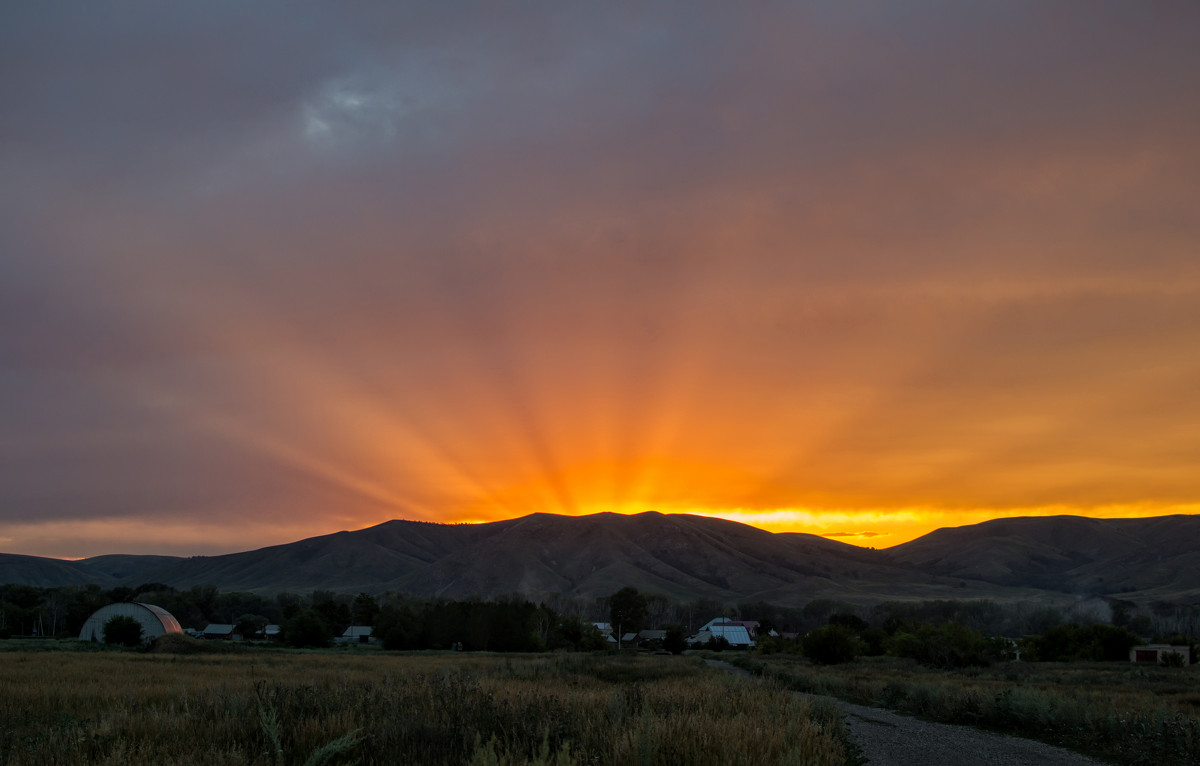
[1124,713]
[1061,675]
[260,706]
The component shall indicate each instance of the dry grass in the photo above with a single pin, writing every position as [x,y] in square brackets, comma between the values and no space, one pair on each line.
[1122,713]
[285,708]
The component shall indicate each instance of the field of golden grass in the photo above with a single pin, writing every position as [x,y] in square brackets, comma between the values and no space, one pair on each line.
[270,707]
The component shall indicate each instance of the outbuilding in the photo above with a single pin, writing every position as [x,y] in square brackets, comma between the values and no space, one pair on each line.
[357,634]
[1154,654]
[155,621]
[736,633]
[221,631]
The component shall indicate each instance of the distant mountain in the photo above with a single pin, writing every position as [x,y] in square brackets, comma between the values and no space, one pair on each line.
[124,567]
[544,556]
[48,573]
[1139,559]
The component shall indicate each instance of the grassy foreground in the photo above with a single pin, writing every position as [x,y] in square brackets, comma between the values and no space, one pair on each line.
[77,707]
[1114,711]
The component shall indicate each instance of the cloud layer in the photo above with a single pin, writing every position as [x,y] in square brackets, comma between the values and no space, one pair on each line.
[818,266]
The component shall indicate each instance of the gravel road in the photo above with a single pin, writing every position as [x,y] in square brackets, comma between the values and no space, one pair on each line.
[888,739]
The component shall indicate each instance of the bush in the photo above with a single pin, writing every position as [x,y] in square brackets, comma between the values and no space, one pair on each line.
[831,645]
[717,644]
[949,645]
[306,629]
[675,641]
[123,630]
[1093,643]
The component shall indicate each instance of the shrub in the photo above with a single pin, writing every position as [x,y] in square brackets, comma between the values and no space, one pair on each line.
[717,643]
[306,629]
[675,641]
[949,645]
[1092,643]
[831,645]
[123,630]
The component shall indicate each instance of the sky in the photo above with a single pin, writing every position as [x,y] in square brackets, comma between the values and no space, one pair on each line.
[860,269]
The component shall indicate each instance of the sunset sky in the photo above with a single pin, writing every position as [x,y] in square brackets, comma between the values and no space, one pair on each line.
[861,269]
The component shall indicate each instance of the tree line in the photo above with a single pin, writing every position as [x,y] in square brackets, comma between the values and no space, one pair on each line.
[944,632]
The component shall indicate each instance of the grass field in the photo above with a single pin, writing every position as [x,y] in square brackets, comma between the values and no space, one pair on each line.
[1116,711]
[272,707]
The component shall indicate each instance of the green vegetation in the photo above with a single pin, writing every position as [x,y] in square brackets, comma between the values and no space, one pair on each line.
[122,630]
[1096,643]
[273,706]
[627,611]
[830,645]
[1124,713]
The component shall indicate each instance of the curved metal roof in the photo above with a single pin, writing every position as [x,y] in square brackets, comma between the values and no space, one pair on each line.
[154,619]
[169,623]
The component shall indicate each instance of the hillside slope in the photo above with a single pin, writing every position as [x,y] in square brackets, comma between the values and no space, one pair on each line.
[547,557]
[1140,559]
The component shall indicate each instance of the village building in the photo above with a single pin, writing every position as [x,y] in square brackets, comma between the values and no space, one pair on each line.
[737,632]
[155,621]
[220,631]
[1154,654]
[357,634]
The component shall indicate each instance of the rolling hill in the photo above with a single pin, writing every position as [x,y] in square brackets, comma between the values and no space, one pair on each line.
[542,556]
[1139,559]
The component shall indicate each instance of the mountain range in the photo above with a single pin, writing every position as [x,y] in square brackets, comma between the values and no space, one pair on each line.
[542,556]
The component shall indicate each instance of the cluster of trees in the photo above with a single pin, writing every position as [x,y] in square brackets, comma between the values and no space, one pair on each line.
[60,612]
[949,643]
[939,633]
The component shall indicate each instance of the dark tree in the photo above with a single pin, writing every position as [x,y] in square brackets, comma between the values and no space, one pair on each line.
[306,628]
[364,610]
[852,621]
[123,630]
[335,614]
[249,625]
[675,641]
[831,645]
[627,610]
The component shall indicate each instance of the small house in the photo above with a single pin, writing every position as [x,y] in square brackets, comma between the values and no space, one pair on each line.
[735,632]
[357,634]
[1153,654]
[221,631]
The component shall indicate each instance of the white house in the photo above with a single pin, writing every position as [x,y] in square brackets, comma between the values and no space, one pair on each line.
[357,634]
[735,632]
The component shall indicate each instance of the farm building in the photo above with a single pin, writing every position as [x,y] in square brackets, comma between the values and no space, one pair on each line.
[155,621]
[222,631]
[357,634]
[736,633]
[1153,653]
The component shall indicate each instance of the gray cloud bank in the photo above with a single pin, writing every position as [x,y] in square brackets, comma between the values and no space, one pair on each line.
[937,253]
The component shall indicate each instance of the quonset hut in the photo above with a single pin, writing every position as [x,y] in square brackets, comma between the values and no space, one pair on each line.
[155,620]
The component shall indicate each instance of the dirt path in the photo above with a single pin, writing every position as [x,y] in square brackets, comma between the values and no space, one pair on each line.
[888,739]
